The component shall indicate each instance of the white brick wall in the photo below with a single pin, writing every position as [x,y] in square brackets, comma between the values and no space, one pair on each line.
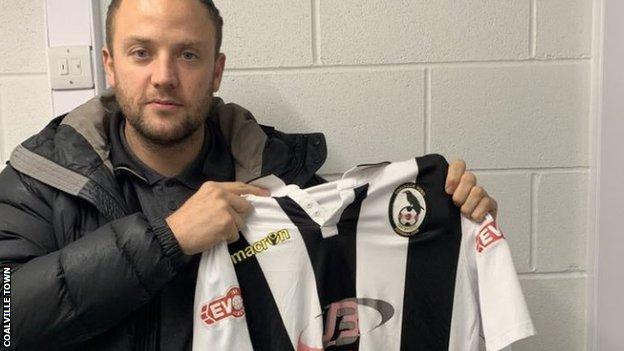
[556,302]
[512,116]
[25,98]
[26,107]
[287,21]
[22,42]
[563,28]
[503,84]
[372,32]
[346,106]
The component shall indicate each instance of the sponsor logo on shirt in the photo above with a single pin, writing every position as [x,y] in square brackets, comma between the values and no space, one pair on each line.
[230,305]
[488,235]
[342,326]
[407,209]
[261,245]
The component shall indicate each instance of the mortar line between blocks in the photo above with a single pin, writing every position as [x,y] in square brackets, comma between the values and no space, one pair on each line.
[533,262]
[316,32]
[518,170]
[552,275]
[427,111]
[24,75]
[338,68]
[533,29]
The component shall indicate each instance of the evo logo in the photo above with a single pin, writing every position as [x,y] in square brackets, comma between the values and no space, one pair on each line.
[487,235]
[230,305]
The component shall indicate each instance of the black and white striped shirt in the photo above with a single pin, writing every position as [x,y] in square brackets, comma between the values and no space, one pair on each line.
[380,259]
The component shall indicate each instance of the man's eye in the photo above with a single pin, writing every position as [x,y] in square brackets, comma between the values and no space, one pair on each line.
[189,56]
[140,54]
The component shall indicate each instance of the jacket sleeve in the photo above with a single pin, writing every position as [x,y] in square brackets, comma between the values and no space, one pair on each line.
[64,295]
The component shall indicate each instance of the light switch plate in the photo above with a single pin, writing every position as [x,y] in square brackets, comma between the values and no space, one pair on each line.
[70,67]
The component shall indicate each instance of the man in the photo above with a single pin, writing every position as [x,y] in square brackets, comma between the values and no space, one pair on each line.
[103,213]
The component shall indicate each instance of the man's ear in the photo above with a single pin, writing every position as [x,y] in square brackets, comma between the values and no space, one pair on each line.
[217,76]
[107,60]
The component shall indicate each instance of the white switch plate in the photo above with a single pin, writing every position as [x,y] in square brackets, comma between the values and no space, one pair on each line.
[70,67]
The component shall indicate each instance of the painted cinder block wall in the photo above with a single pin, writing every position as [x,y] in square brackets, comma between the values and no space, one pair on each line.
[506,85]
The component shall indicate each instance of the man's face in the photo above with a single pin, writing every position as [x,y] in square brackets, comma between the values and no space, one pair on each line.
[164,69]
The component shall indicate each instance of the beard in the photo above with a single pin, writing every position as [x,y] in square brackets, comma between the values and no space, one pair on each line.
[180,126]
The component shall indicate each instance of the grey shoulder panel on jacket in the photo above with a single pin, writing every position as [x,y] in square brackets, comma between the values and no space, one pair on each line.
[46,171]
[72,152]
[245,136]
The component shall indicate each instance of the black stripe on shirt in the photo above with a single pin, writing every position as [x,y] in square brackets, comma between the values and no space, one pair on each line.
[431,264]
[266,327]
[333,259]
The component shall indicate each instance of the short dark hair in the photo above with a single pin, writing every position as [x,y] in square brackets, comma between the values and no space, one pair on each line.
[215,16]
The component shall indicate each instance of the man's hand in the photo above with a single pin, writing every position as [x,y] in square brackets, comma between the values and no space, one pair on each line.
[215,213]
[473,200]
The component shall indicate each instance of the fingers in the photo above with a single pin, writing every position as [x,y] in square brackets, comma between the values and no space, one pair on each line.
[468,181]
[494,212]
[474,205]
[478,204]
[239,224]
[240,188]
[486,205]
[474,201]
[454,175]
[237,207]
[234,238]
[239,204]
[476,194]
[478,214]
[230,206]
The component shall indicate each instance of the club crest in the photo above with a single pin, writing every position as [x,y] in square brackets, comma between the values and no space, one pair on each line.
[407,209]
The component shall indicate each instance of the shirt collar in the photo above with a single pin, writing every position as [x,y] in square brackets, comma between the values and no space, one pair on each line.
[214,161]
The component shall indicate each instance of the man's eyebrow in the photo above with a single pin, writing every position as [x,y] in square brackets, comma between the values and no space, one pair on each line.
[188,43]
[142,40]
[136,39]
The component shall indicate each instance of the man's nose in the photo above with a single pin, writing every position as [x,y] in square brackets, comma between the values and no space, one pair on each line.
[165,73]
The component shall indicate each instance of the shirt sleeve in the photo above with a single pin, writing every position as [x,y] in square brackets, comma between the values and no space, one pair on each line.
[504,314]
[219,312]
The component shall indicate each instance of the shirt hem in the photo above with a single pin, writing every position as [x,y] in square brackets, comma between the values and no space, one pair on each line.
[518,332]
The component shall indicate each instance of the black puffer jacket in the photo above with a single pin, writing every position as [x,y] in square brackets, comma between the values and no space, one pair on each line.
[81,263]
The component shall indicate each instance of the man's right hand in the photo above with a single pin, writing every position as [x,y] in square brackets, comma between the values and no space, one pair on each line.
[215,213]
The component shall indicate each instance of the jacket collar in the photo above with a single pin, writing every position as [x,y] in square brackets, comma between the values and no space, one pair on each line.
[72,152]
[214,160]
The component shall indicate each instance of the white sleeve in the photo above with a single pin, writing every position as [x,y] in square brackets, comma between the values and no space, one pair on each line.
[219,314]
[504,314]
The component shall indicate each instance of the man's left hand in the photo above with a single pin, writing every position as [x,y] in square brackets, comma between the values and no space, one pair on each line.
[472,199]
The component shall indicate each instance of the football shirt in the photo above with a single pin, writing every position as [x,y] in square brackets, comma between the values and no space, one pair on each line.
[380,259]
